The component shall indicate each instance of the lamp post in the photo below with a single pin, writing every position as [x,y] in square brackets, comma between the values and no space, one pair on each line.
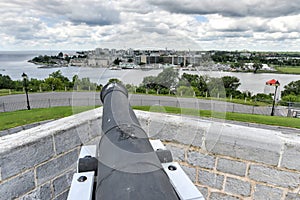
[276,86]
[25,78]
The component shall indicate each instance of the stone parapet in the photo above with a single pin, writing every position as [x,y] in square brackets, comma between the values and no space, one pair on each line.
[225,161]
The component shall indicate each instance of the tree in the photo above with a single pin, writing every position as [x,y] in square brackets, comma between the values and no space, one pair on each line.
[58,75]
[216,87]
[114,80]
[60,55]
[54,84]
[117,61]
[185,91]
[257,66]
[231,83]
[199,82]
[291,88]
[6,82]
[166,79]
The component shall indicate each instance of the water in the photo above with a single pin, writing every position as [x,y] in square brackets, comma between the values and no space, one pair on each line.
[14,64]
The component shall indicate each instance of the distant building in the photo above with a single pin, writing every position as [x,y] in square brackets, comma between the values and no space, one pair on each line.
[98,62]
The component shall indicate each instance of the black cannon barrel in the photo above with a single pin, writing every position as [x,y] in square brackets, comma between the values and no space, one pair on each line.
[128,167]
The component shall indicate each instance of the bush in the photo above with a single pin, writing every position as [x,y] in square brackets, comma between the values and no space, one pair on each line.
[185,91]
[151,91]
[291,98]
[164,91]
[141,89]
[262,97]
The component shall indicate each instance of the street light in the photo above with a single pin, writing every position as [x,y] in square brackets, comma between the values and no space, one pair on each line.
[276,84]
[25,78]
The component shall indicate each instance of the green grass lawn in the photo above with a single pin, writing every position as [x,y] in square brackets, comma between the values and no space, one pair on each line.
[22,117]
[19,118]
[4,92]
[289,70]
[260,119]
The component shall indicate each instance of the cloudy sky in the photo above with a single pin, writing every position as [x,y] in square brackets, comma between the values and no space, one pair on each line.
[174,24]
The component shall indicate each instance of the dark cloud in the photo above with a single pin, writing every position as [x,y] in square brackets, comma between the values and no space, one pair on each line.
[241,8]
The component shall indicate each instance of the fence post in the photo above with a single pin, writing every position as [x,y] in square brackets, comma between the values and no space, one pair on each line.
[3,107]
[49,102]
[233,108]
[252,110]
[70,101]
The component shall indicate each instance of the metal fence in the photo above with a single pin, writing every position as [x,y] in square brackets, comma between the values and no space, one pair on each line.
[192,103]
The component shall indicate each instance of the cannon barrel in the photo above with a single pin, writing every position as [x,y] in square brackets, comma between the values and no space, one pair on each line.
[128,167]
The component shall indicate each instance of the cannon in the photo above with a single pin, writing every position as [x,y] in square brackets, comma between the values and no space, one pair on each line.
[126,166]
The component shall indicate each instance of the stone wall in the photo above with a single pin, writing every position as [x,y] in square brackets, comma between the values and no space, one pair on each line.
[225,161]
[39,163]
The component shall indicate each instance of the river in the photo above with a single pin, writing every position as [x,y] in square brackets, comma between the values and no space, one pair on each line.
[14,64]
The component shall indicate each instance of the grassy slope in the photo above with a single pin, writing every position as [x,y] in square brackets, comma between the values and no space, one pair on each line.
[289,70]
[22,117]
[18,118]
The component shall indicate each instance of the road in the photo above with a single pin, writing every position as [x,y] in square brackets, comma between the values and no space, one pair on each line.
[52,99]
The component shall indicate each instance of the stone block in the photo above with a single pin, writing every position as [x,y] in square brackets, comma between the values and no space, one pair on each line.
[15,130]
[84,132]
[210,179]
[62,196]
[201,160]
[291,151]
[66,140]
[42,192]
[262,192]
[63,182]
[189,132]
[292,196]
[95,128]
[24,157]
[172,128]
[17,186]
[274,177]
[222,196]
[177,152]
[4,132]
[238,187]
[246,143]
[231,167]
[204,191]
[191,172]
[56,166]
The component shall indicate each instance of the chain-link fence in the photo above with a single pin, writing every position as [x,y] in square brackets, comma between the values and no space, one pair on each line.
[48,103]
[140,100]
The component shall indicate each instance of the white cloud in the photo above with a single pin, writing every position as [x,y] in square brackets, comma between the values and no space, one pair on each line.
[209,24]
